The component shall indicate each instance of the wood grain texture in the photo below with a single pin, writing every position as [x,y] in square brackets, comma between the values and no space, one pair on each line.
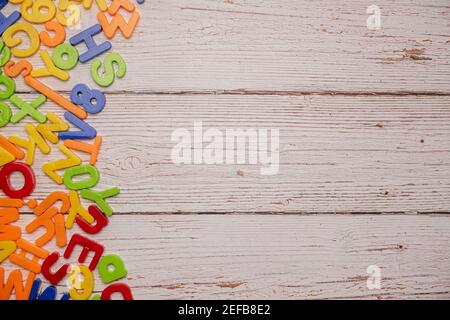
[364,123]
[337,154]
[276,257]
[288,46]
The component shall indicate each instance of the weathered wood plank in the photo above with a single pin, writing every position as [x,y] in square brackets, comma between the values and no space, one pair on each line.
[337,154]
[279,257]
[283,46]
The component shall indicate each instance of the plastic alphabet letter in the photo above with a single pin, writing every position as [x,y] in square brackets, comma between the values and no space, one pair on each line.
[65,56]
[13,69]
[48,294]
[8,232]
[21,260]
[99,198]
[60,34]
[109,74]
[74,11]
[117,287]
[5,54]
[50,168]
[55,97]
[5,115]
[35,139]
[13,42]
[76,209]
[53,222]
[88,245]
[10,87]
[28,109]
[118,22]
[92,149]
[93,101]
[56,125]
[50,70]
[15,283]
[104,268]
[102,221]
[6,249]
[93,179]
[93,49]
[51,201]
[9,150]
[6,22]
[54,278]
[28,176]
[86,286]
[86,131]
[38,15]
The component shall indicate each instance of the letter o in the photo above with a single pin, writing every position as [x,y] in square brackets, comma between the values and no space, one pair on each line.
[29,180]
[80,170]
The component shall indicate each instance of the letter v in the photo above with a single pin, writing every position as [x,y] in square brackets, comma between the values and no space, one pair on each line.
[51,167]
[87,132]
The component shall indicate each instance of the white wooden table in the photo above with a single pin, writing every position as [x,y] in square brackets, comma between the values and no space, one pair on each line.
[364,119]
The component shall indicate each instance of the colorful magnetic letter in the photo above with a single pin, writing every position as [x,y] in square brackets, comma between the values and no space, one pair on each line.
[86,131]
[99,198]
[88,245]
[55,97]
[65,56]
[7,231]
[60,34]
[78,171]
[76,209]
[86,286]
[15,283]
[102,221]
[28,109]
[93,49]
[104,268]
[13,42]
[13,69]
[9,152]
[10,87]
[23,261]
[117,287]
[38,15]
[55,124]
[35,139]
[50,168]
[92,149]
[108,76]
[28,176]
[93,101]
[48,294]
[5,114]
[5,54]
[50,69]
[6,249]
[56,277]
[6,22]
[118,22]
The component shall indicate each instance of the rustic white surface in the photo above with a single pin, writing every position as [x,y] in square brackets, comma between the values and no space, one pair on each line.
[337,154]
[283,45]
[295,257]
[381,145]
